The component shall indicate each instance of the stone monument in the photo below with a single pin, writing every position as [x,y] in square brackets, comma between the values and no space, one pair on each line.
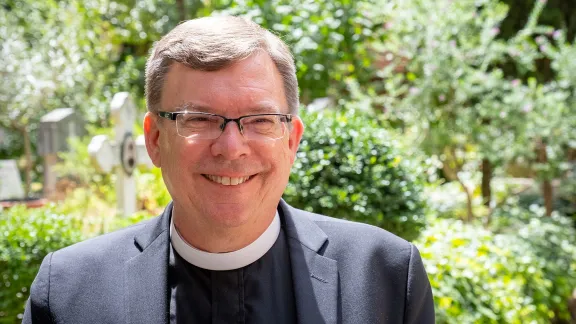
[122,154]
[56,128]
[11,187]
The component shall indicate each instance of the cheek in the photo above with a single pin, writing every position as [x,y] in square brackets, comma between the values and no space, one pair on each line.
[282,157]
[176,158]
[287,154]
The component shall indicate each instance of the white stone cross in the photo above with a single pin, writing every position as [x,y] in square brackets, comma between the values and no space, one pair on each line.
[123,154]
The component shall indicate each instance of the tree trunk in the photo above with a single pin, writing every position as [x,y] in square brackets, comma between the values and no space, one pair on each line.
[452,174]
[28,158]
[469,211]
[181,9]
[548,193]
[572,306]
[486,181]
[547,190]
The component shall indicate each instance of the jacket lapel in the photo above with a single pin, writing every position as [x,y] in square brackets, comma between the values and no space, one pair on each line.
[146,274]
[315,277]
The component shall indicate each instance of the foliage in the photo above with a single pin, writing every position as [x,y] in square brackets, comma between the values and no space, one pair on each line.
[328,38]
[152,192]
[523,274]
[349,167]
[447,80]
[88,40]
[558,13]
[564,199]
[27,236]
[567,197]
[453,86]
[56,54]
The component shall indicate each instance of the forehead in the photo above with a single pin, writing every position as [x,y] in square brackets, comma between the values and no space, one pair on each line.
[249,86]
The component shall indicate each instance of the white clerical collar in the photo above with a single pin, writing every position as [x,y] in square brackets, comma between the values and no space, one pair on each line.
[230,260]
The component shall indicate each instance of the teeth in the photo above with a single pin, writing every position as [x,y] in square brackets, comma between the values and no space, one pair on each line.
[227,181]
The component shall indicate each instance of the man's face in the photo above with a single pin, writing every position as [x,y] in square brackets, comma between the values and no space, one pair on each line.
[189,166]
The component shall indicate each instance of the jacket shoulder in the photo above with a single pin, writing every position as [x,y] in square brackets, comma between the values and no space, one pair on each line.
[117,244]
[356,233]
[351,242]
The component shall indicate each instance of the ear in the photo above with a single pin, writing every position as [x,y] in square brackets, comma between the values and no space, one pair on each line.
[152,137]
[295,137]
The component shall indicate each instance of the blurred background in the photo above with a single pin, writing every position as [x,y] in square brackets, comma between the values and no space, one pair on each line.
[449,123]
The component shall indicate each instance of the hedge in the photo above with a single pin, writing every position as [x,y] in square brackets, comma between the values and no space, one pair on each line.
[521,273]
[26,236]
[348,166]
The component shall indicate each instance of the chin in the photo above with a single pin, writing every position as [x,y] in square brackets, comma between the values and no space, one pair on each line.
[229,215]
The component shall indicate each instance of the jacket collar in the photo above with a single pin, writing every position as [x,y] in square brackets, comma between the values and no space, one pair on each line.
[314,276]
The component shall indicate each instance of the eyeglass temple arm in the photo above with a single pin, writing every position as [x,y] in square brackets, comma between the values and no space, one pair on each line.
[168,115]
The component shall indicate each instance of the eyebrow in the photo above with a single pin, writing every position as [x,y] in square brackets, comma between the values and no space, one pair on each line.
[261,108]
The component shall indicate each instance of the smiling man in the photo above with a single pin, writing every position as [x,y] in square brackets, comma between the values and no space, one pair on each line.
[223,127]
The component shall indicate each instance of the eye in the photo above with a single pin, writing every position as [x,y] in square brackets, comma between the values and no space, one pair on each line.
[199,121]
[196,119]
[262,120]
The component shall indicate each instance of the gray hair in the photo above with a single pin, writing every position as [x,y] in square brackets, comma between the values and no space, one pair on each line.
[213,43]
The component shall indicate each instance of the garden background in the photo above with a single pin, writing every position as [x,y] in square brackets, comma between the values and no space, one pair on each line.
[449,123]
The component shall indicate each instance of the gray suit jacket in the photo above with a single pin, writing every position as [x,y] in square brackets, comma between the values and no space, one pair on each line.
[343,272]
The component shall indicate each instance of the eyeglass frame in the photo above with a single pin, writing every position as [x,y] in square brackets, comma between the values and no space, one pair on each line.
[174,115]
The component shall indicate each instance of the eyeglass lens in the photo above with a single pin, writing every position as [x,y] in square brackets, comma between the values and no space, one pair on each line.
[201,126]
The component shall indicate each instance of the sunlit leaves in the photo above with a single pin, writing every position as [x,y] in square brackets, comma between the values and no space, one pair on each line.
[518,273]
[458,80]
[349,167]
[329,39]
[26,236]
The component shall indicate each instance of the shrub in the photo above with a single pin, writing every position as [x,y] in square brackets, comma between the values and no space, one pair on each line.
[549,241]
[348,166]
[521,275]
[27,235]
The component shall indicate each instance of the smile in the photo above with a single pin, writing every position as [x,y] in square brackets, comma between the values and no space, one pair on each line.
[227,181]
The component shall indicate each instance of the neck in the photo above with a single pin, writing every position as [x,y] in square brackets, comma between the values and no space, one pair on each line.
[219,239]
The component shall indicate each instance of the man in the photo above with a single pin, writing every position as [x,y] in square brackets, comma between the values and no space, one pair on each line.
[222,125]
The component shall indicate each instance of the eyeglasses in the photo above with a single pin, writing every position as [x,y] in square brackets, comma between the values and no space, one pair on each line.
[200,125]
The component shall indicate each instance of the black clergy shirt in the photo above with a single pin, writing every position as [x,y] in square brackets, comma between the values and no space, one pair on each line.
[261,292]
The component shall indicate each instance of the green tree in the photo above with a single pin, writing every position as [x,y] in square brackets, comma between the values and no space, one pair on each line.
[452,88]
[33,70]
[56,54]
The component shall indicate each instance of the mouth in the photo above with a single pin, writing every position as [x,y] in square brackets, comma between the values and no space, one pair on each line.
[227,181]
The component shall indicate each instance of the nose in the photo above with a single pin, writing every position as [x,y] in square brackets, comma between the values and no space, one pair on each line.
[231,144]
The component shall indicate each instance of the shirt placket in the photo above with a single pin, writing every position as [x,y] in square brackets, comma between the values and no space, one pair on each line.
[227,297]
